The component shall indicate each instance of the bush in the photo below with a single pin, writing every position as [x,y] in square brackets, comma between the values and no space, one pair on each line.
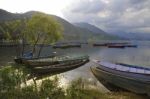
[12,78]
[50,89]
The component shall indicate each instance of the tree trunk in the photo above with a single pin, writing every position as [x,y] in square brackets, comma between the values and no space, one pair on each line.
[41,47]
[23,46]
[17,48]
[33,50]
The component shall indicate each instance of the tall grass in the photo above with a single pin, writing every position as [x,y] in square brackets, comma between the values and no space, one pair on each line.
[13,85]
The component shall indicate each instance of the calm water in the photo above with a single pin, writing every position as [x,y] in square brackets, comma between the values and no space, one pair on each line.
[136,56]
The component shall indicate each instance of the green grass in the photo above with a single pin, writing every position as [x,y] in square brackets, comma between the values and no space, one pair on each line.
[12,77]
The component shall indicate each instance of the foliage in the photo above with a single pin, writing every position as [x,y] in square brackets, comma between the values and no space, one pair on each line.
[12,77]
[75,89]
[49,88]
[78,90]
[13,30]
[43,27]
[39,29]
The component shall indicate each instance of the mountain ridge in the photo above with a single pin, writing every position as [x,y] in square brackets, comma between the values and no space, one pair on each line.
[71,32]
[89,26]
[95,29]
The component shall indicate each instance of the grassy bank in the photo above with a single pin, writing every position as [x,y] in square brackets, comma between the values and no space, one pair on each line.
[14,85]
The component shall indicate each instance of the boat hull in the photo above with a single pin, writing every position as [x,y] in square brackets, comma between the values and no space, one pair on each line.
[143,77]
[53,69]
[134,46]
[67,46]
[96,44]
[119,81]
[21,60]
[46,61]
[116,46]
[51,61]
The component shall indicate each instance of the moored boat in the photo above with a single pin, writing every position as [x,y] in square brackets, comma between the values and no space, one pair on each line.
[59,68]
[54,60]
[117,43]
[99,44]
[116,46]
[22,60]
[66,45]
[36,62]
[135,46]
[123,76]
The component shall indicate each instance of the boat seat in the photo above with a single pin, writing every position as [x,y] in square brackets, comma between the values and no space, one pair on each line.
[125,67]
[140,71]
[107,64]
[133,70]
[147,71]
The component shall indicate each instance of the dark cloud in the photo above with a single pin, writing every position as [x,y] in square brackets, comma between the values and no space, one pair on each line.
[137,1]
[112,15]
[87,6]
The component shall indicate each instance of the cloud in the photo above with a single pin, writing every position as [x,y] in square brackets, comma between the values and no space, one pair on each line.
[112,15]
[83,6]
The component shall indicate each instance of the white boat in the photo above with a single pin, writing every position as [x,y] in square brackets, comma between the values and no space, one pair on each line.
[123,76]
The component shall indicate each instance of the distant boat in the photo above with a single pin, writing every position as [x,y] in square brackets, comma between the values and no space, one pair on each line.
[112,45]
[66,45]
[123,76]
[121,46]
[116,46]
[99,44]
[118,43]
[135,46]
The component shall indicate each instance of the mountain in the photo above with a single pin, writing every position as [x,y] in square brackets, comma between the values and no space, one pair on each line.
[95,30]
[89,27]
[71,32]
[6,16]
[133,36]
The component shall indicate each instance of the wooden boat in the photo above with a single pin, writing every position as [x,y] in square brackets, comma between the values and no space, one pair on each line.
[22,60]
[74,45]
[61,46]
[52,61]
[99,44]
[66,45]
[116,46]
[59,68]
[117,43]
[110,44]
[123,76]
[121,46]
[135,46]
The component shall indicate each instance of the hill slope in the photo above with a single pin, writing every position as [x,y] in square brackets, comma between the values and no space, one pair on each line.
[96,30]
[71,32]
[89,27]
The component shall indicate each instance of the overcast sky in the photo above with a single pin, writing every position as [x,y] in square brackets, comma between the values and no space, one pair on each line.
[130,16]
[48,6]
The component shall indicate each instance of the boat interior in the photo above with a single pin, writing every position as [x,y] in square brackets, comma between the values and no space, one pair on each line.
[125,67]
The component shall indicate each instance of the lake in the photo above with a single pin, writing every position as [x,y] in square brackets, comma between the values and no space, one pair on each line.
[135,56]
